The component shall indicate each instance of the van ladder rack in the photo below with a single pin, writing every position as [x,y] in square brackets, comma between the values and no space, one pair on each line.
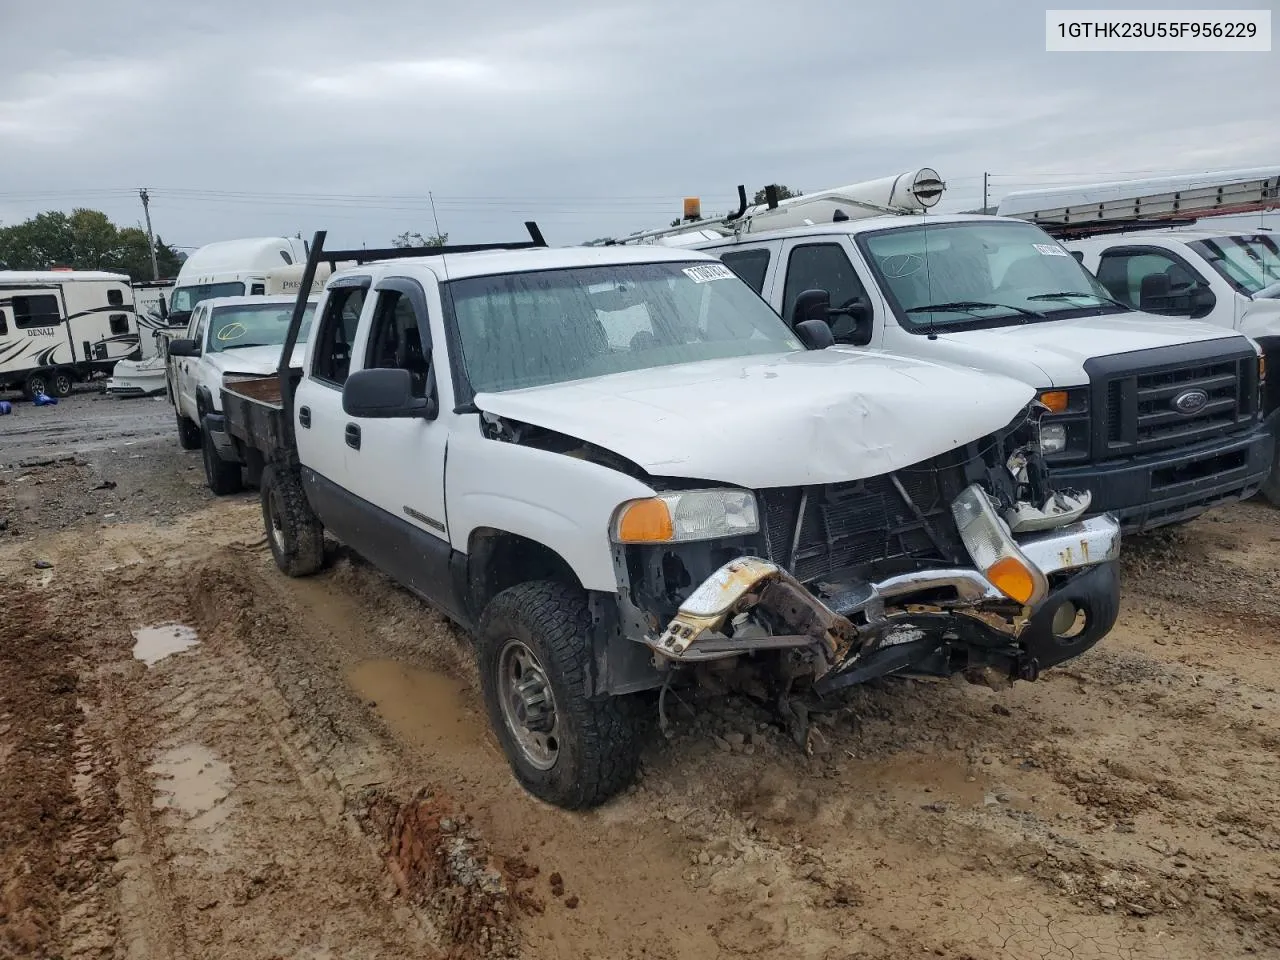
[317,254]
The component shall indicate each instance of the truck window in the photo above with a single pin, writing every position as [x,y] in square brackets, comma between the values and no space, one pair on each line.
[750,265]
[337,331]
[1249,263]
[395,341]
[1123,273]
[40,310]
[820,266]
[551,326]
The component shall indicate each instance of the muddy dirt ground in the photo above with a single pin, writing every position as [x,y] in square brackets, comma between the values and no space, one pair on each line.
[200,758]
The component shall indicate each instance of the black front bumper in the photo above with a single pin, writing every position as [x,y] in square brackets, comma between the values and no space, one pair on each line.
[952,642]
[1150,491]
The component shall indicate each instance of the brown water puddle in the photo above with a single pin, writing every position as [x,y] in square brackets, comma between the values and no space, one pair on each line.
[423,707]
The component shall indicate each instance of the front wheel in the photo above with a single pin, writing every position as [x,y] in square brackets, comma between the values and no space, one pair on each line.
[294,532]
[37,384]
[222,476]
[188,433]
[564,746]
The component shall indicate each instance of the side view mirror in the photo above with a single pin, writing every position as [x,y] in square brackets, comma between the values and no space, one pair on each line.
[858,328]
[184,348]
[815,334]
[810,305]
[1156,294]
[385,393]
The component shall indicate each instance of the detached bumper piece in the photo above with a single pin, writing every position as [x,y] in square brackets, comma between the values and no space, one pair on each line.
[927,621]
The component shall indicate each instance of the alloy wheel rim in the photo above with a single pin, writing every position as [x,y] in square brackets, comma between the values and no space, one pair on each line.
[528,704]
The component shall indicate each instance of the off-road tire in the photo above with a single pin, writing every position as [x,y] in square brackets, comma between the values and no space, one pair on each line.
[599,742]
[222,476]
[294,532]
[1271,486]
[61,384]
[36,384]
[188,433]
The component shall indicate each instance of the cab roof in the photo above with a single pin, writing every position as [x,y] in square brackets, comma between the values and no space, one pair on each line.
[852,227]
[277,300]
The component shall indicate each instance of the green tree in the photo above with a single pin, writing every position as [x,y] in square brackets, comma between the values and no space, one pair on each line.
[784,193]
[419,240]
[83,240]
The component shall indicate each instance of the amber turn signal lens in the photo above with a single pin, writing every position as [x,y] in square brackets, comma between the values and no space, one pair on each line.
[1055,400]
[645,521]
[1012,578]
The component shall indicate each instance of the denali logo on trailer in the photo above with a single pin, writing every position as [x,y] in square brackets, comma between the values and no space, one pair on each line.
[1190,401]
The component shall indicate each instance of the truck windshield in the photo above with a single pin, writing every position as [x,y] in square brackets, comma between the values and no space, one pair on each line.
[530,329]
[184,299]
[980,273]
[1248,263]
[255,325]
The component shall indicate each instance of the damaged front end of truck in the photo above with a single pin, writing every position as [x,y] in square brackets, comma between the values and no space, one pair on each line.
[964,563]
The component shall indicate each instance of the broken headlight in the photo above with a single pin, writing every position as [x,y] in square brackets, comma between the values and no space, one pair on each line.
[684,515]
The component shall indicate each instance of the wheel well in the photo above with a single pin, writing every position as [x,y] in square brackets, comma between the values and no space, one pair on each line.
[497,560]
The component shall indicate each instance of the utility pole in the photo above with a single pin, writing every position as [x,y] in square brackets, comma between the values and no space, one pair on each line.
[151,240]
[985,175]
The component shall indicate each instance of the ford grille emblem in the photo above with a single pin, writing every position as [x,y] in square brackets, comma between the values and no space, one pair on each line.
[1190,401]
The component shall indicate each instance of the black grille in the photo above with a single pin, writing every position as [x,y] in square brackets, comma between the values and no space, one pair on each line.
[850,525]
[1140,413]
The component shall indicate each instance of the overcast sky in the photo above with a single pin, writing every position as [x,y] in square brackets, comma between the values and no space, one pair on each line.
[595,118]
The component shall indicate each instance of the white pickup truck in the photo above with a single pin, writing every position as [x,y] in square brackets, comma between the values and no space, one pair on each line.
[227,337]
[620,471]
[1159,419]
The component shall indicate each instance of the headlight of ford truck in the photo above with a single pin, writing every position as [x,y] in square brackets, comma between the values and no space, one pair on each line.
[1064,428]
[685,515]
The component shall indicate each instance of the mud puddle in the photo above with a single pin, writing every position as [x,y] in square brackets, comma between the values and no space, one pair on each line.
[153,644]
[428,709]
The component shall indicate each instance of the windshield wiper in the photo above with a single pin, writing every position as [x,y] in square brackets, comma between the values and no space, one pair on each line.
[1067,294]
[968,306]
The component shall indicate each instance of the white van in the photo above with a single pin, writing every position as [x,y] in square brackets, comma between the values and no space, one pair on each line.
[61,326]
[231,268]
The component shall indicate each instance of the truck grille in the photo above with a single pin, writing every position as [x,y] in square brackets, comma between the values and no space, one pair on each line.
[849,525]
[1140,406]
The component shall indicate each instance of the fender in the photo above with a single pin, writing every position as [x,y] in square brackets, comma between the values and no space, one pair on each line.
[561,502]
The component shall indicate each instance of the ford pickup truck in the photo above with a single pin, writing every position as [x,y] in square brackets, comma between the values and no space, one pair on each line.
[620,472]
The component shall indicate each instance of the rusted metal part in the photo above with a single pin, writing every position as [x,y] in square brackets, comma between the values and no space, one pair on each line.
[703,628]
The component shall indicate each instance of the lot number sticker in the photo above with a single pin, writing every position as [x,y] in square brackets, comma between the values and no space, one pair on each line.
[1051,250]
[708,272]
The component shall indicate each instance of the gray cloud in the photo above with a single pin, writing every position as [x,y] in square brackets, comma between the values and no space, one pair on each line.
[251,118]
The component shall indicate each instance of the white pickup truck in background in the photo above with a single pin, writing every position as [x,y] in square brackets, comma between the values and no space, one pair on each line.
[227,337]
[1159,419]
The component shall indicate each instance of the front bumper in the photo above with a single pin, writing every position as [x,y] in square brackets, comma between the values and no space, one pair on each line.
[933,621]
[1171,486]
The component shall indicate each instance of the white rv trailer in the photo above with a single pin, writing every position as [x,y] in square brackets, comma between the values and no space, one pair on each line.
[61,326]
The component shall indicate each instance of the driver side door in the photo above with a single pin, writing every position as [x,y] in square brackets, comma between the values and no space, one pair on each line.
[824,264]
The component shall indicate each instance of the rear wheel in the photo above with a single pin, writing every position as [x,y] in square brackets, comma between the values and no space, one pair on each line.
[188,434]
[223,476]
[61,383]
[564,746]
[294,532]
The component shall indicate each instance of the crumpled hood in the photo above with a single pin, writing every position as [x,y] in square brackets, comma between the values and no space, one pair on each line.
[252,359]
[820,416]
[1061,347]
